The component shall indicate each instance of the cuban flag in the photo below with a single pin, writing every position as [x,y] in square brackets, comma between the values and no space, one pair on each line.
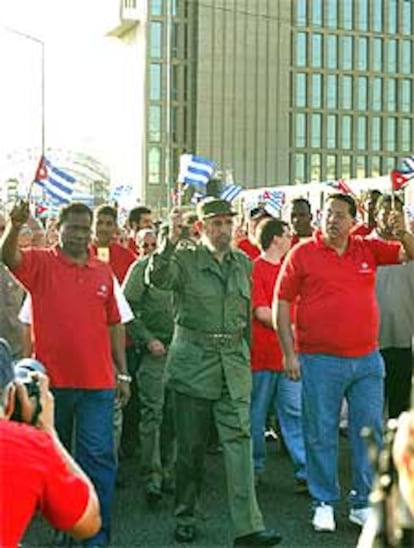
[195,170]
[230,192]
[403,174]
[58,184]
[341,186]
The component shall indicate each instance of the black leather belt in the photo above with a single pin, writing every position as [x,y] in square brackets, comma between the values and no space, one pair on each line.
[204,337]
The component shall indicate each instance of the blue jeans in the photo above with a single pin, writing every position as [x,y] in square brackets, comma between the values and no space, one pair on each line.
[90,413]
[276,391]
[326,380]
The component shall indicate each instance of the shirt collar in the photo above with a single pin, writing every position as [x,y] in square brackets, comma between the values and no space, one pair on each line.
[91,261]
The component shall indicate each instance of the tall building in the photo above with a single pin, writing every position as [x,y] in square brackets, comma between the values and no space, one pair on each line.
[278,91]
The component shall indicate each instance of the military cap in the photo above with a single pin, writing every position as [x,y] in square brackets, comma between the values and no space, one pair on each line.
[211,207]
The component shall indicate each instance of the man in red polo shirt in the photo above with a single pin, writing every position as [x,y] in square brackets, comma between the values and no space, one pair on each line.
[301,219]
[332,280]
[75,318]
[249,244]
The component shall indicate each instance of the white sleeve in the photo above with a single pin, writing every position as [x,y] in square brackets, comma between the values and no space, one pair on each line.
[124,309]
[25,314]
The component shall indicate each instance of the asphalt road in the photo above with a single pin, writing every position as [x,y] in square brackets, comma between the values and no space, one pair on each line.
[135,525]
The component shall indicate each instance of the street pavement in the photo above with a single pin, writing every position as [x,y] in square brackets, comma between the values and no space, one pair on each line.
[134,524]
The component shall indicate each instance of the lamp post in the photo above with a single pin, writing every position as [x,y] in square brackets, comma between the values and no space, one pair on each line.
[42,46]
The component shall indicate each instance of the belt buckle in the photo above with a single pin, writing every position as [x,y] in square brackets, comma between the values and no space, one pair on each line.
[221,338]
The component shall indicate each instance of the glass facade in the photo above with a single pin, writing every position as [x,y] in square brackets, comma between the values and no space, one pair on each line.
[353,73]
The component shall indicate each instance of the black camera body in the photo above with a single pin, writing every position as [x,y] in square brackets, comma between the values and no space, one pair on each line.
[23,373]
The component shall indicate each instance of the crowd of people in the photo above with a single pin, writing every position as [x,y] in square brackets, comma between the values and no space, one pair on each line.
[206,324]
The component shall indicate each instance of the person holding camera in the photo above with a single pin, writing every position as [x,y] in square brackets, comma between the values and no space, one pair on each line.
[36,471]
[76,322]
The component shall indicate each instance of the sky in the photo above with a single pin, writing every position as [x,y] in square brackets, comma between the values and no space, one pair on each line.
[83,77]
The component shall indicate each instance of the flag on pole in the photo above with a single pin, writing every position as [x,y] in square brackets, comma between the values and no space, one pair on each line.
[403,174]
[341,186]
[230,192]
[56,182]
[272,201]
[195,170]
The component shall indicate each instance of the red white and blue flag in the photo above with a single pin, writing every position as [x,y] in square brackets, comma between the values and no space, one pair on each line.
[57,183]
[402,174]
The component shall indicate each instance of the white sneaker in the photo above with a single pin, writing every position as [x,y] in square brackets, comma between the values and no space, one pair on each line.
[359,516]
[323,518]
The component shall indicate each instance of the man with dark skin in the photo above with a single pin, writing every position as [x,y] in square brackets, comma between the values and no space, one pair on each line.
[301,219]
[76,337]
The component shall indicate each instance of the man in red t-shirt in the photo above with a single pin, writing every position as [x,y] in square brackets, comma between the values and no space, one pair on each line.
[271,387]
[76,336]
[331,279]
[36,471]
[249,244]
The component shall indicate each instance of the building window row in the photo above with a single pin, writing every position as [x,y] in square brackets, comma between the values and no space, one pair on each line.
[317,90]
[353,53]
[385,16]
[316,167]
[348,132]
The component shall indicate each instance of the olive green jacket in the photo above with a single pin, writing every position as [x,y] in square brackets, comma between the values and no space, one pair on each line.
[209,297]
[152,307]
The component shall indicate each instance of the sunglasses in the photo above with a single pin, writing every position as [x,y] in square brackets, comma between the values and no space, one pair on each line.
[146,246]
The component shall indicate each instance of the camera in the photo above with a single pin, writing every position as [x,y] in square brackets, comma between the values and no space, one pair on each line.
[23,373]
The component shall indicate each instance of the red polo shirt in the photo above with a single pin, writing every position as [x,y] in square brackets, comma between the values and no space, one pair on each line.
[361,229]
[335,295]
[120,259]
[251,249]
[265,352]
[73,306]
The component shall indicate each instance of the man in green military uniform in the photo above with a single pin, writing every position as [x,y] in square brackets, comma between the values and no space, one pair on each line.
[208,365]
[151,330]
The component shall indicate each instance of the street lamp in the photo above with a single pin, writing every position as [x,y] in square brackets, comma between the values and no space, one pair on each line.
[42,46]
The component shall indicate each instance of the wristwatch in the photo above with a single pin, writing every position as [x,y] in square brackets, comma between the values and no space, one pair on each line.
[124,377]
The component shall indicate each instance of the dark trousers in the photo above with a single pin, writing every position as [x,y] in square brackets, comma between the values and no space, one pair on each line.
[130,426]
[398,368]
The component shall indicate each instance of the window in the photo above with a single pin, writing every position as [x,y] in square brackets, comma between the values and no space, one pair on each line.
[331,52]
[347,21]
[156,7]
[155,82]
[346,132]
[392,56]
[317,13]
[173,8]
[376,54]
[156,40]
[362,23]
[376,101]
[301,90]
[375,166]
[361,167]
[362,90]
[392,16]
[299,168]
[331,131]
[154,166]
[377,15]
[391,101]
[406,27]
[346,167]
[376,133]
[301,12]
[331,167]
[316,50]
[361,133]
[331,85]
[405,141]
[300,130]
[362,63]
[301,50]
[331,13]
[390,134]
[347,92]
[155,123]
[316,90]
[315,167]
[405,96]
[405,57]
[316,130]
[347,52]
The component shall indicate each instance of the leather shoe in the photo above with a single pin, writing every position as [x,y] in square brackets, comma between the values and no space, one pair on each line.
[185,533]
[268,537]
